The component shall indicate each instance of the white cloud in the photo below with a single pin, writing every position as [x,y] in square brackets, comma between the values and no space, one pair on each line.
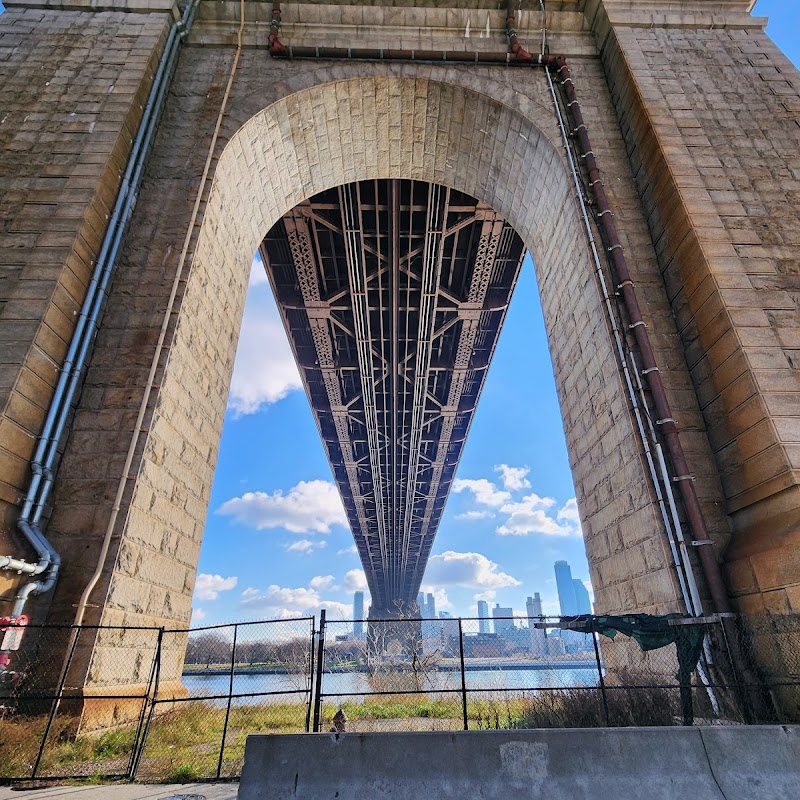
[347,551]
[485,492]
[337,611]
[322,583]
[265,370]
[355,581]
[440,598]
[198,615]
[208,587]
[308,507]
[530,516]
[551,608]
[488,595]
[258,274]
[466,569]
[281,602]
[471,516]
[513,477]
[569,512]
[305,546]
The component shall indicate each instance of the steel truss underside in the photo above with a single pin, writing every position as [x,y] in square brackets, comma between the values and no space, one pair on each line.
[393,293]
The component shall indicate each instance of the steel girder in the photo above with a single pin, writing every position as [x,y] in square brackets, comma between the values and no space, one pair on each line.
[393,294]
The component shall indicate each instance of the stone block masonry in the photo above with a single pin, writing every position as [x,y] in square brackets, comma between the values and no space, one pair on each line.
[74,84]
[707,215]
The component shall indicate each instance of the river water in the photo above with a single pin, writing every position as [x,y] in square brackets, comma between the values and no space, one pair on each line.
[339,685]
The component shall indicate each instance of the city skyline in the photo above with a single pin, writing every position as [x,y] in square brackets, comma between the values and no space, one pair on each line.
[501,631]
[576,601]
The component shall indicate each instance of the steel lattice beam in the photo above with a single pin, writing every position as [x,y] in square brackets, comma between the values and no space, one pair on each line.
[393,294]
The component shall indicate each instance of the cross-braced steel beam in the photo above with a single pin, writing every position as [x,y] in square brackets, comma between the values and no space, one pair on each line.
[393,294]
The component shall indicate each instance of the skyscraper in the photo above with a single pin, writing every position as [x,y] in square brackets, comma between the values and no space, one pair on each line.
[582,597]
[538,635]
[358,614]
[483,616]
[567,601]
[502,626]
[430,607]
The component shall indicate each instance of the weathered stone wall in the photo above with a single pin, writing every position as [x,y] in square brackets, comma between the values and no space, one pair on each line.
[73,87]
[325,124]
[292,129]
[711,118]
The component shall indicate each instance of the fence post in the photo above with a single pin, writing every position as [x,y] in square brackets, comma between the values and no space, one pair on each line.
[310,675]
[463,674]
[600,675]
[230,694]
[320,664]
[56,702]
[146,731]
[140,724]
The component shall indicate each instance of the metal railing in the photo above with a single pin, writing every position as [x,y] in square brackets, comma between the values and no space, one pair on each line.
[153,704]
[447,674]
[114,707]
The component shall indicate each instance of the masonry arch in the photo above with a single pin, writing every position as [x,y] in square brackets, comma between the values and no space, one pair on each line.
[365,128]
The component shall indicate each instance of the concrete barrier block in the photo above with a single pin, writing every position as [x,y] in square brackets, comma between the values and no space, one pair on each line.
[572,764]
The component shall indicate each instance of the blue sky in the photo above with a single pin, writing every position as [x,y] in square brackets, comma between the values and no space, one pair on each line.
[276,542]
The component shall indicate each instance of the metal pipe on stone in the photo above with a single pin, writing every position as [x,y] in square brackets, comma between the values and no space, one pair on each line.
[69,381]
[666,422]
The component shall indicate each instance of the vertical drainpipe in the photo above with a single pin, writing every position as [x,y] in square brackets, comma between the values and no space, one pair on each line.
[68,385]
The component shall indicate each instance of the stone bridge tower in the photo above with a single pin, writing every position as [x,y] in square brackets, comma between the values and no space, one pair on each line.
[694,120]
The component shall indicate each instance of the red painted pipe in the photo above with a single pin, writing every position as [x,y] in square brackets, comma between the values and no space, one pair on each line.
[520,53]
[275,46]
[711,570]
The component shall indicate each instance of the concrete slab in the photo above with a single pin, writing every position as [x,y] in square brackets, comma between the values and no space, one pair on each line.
[613,763]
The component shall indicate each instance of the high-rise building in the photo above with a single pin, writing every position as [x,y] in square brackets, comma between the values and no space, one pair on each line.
[582,599]
[448,632]
[567,602]
[427,612]
[430,607]
[358,615]
[503,623]
[483,616]
[538,635]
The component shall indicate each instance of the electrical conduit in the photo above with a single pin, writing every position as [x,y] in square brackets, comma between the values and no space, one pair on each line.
[69,380]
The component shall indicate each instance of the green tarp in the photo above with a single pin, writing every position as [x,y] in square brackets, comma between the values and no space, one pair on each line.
[652,632]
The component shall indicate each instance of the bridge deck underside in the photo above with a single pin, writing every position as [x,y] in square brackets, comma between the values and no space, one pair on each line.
[393,293]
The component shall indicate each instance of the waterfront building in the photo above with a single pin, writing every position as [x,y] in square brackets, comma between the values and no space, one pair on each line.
[358,615]
[503,623]
[567,601]
[483,616]
[538,636]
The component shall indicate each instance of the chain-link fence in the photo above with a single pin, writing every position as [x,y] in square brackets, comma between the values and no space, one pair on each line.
[531,672]
[56,719]
[169,705]
[237,680]
[155,704]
